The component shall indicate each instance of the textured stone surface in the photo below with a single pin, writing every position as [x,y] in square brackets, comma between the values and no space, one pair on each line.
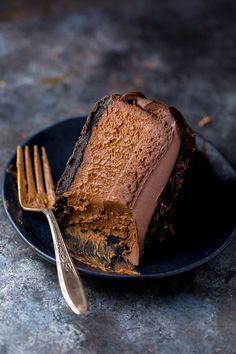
[56,60]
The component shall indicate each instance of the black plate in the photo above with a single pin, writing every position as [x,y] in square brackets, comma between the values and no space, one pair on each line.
[206,221]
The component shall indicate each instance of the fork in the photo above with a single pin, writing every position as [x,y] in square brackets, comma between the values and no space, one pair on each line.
[37,194]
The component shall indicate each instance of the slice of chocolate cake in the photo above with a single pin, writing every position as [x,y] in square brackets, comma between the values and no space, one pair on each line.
[120,183]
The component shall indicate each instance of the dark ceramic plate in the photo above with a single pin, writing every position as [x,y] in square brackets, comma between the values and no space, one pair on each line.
[205,221]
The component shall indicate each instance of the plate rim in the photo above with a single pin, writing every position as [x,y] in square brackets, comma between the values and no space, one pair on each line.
[93,272]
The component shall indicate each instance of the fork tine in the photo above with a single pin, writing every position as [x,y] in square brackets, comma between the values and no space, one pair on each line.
[29,173]
[38,171]
[21,181]
[47,173]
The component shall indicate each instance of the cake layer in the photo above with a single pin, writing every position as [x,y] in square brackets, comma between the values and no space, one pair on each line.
[115,178]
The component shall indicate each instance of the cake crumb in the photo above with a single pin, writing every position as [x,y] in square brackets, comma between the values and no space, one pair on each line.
[205,120]
[55,80]
[2,83]
[138,81]
[150,64]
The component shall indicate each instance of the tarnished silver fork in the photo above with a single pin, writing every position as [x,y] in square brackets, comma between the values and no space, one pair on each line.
[36,193]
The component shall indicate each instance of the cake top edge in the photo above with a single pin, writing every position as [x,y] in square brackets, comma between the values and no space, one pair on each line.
[134,98]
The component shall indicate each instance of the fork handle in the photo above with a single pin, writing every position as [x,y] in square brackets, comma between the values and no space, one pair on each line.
[69,279]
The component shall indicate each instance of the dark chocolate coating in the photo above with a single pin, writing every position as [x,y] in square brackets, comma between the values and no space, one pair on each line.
[163,220]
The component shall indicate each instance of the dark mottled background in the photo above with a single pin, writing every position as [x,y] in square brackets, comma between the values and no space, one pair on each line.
[56,59]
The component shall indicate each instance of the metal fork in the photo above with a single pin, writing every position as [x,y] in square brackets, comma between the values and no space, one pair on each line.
[40,197]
